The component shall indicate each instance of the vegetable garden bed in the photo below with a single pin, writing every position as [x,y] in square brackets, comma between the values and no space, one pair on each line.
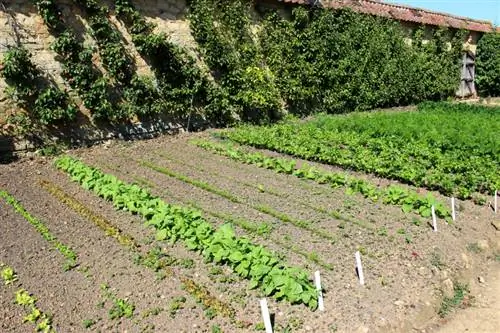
[130,276]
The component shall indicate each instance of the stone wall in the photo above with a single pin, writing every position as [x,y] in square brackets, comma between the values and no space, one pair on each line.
[20,23]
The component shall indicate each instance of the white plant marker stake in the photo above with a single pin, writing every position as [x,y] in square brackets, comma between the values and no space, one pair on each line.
[495,202]
[453,216]
[360,268]
[265,316]
[317,279]
[434,222]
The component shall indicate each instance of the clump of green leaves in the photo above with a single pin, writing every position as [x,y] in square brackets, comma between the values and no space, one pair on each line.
[88,323]
[20,72]
[47,105]
[176,304]
[53,105]
[458,300]
[8,275]
[121,308]
[42,320]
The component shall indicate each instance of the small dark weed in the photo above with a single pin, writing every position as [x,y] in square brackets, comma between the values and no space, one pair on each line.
[88,323]
[459,299]
[473,247]
[176,304]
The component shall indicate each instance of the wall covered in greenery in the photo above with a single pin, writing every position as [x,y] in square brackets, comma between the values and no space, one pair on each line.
[253,65]
[488,65]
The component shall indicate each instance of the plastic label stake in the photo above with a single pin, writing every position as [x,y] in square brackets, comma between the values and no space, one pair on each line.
[495,202]
[360,268]
[453,216]
[265,316]
[317,279]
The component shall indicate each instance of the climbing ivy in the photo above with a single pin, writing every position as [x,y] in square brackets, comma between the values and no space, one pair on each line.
[224,31]
[44,101]
[338,60]
[183,86]
[488,65]
[77,67]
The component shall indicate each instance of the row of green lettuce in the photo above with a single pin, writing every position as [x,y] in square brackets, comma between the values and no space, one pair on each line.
[409,200]
[220,245]
[451,148]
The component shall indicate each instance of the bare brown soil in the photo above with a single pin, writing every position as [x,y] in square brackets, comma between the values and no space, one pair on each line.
[405,264]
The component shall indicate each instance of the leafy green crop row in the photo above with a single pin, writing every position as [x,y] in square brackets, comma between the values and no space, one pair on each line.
[219,245]
[396,195]
[42,320]
[446,147]
[153,259]
[67,252]
[261,208]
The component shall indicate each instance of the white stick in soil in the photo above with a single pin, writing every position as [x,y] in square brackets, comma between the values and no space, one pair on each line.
[495,202]
[360,268]
[265,316]
[453,216]
[317,279]
[434,222]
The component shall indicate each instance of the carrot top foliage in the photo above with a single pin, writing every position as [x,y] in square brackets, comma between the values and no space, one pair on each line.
[446,147]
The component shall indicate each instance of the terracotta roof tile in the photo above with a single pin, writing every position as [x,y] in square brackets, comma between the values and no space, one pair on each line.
[404,13]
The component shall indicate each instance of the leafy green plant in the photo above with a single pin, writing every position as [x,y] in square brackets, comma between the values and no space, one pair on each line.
[20,72]
[33,316]
[24,298]
[216,329]
[8,275]
[52,105]
[88,323]
[121,308]
[458,300]
[219,245]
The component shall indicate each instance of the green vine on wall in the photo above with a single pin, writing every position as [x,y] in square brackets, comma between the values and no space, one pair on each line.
[183,86]
[338,60]
[77,67]
[45,102]
[224,31]
[115,57]
[488,65]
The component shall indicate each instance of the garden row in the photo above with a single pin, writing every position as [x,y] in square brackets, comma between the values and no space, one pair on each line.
[156,259]
[446,147]
[41,320]
[219,245]
[409,200]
